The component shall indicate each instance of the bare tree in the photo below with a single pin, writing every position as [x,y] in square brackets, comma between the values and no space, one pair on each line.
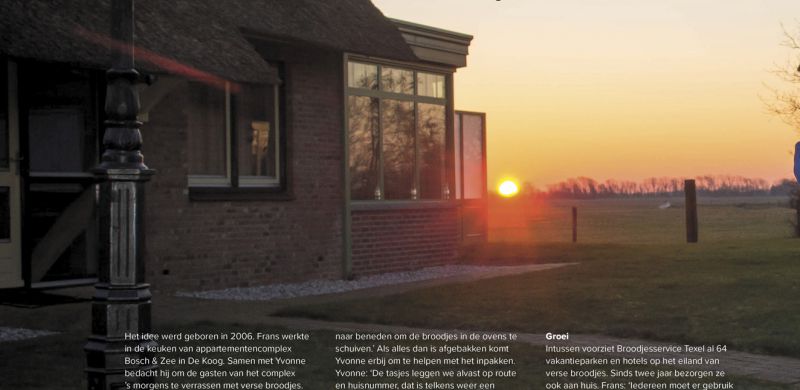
[785,102]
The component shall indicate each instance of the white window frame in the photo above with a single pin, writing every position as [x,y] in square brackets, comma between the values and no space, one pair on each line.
[244,181]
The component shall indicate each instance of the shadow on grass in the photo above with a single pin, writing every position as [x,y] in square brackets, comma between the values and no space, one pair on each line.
[743,294]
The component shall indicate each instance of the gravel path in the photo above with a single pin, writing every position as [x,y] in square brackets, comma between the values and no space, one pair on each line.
[16,334]
[320,287]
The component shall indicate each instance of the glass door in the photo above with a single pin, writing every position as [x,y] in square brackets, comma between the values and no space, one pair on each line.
[10,248]
[60,122]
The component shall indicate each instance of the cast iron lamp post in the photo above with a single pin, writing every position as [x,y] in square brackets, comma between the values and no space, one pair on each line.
[121,302]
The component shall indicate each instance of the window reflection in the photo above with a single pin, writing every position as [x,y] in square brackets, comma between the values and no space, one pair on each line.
[364,146]
[473,156]
[397,118]
[207,130]
[255,130]
[431,131]
[397,80]
[397,133]
[431,85]
[457,165]
[362,75]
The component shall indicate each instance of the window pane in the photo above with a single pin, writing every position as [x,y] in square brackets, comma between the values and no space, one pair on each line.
[364,146]
[61,114]
[397,119]
[59,135]
[431,130]
[256,130]
[473,156]
[207,130]
[397,80]
[3,115]
[362,75]
[429,84]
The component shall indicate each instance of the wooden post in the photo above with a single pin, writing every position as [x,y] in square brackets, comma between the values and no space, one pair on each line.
[691,210]
[574,224]
[122,299]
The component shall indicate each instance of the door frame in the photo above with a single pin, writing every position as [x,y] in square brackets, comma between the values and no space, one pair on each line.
[28,178]
[13,269]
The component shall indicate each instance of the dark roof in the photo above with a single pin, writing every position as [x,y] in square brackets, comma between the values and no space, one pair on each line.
[208,35]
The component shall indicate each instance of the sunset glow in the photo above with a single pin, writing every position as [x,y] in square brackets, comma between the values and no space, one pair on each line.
[508,188]
[621,89]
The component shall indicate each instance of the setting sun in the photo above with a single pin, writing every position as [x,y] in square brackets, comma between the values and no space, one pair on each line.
[508,188]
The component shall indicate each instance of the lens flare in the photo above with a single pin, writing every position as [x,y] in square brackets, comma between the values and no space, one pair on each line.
[508,188]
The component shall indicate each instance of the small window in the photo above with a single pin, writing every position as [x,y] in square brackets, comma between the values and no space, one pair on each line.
[473,158]
[431,85]
[397,119]
[457,148]
[364,141]
[255,119]
[207,128]
[397,80]
[431,133]
[362,75]
[234,135]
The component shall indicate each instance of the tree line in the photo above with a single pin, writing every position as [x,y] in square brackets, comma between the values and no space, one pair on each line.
[719,185]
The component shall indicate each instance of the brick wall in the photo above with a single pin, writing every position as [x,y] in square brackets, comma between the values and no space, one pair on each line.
[201,245]
[403,239]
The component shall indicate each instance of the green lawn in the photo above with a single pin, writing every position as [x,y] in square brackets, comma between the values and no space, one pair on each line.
[637,278]
[639,221]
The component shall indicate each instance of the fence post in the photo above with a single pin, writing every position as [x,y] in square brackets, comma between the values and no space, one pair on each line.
[574,224]
[690,192]
[797,221]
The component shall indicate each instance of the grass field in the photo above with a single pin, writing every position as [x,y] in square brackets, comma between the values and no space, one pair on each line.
[740,285]
[639,220]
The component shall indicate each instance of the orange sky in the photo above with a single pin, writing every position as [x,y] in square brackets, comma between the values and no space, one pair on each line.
[622,89]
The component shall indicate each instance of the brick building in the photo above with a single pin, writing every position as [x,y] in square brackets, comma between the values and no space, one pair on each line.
[292,141]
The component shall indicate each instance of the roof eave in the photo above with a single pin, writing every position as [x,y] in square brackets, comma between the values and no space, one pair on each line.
[435,45]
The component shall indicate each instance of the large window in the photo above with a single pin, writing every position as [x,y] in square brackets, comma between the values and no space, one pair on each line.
[234,135]
[396,133]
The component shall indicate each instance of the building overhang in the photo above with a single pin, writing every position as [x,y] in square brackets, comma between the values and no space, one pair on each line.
[431,44]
